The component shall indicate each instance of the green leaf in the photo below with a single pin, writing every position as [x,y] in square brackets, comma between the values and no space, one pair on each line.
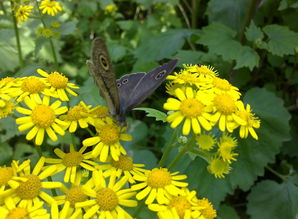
[158,115]
[68,27]
[162,45]
[189,57]
[5,153]
[227,47]
[269,199]
[25,151]
[253,155]
[9,126]
[282,41]
[116,51]
[227,212]
[253,33]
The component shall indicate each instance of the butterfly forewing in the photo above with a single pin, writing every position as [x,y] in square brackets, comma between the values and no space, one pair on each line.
[100,68]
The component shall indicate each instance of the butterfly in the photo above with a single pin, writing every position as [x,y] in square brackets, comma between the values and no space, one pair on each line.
[130,90]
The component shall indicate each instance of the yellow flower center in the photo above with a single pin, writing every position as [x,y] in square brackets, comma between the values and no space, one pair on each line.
[100,112]
[7,109]
[221,84]
[75,113]
[191,107]
[159,178]
[57,80]
[180,204]
[225,104]
[43,116]
[190,78]
[72,159]
[124,163]
[6,174]
[75,194]
[33,85]
[107,199]
[29,189]
[205,141]
[218,167]
[208,212]
[109,134]
[18,213]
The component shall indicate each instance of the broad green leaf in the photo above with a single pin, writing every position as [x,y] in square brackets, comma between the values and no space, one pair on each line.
[227,47]
[282,41]
[269,199]
[5,153]
[24,151]
[68,27]
[253,155]
[158,115]
[145,157]
[189,57]
[253,33]
[116,51]
[162,45]
[9,126]
[229,12]
[227,212]
[88,8]
[144,66]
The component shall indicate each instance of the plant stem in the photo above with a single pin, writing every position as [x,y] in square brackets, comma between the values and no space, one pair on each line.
[38,149]
[139,209]
[169,148]
[177,158]
[283,178]
[17,35]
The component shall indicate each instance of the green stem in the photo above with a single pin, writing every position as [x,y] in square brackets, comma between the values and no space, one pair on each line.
[177,158]
[90,132]
[51,41]
[39,152]
[168,150]
[139,209]
[17,34]
[276,173]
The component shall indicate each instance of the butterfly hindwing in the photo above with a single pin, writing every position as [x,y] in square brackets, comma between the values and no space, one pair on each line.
[100,68]
[140,89]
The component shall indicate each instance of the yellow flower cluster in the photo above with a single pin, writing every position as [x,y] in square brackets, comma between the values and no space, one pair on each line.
[203,102]
[22,12]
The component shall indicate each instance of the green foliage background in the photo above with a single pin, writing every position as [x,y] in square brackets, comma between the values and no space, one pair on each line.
[252,43]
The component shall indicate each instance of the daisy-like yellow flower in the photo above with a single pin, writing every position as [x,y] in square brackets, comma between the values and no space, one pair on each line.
[110,9]
[59,85]
[158,184]
[107,199]
[71,162]
[184,206]
[205,141]
[107,142]
[207,209]
[77,115]
[98,113]
[7,109]
[218,167]
[23,13]
[50,7]
[184,77]
[13,211]
[8,90]
[31,86]
[9,175]
[123,167]
[251,122]
[30,191]
[226,145]
[41,118]
[223,86]
[72,196]
[226,107]
[204,71]
[192,107]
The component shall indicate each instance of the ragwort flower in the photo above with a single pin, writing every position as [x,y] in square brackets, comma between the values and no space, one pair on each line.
[23,13]
[50,7]
[218,167]
[41,118]
[158,184]
[226,145]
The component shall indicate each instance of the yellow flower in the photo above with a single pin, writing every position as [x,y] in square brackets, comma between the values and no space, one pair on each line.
[110,8]
[192,107]
[108,140]
[184,77]
[184,206]
[41,118]
[50,7]
[226,146]
[251,122]
[223,86]
[158,184]
[205,141]
[225,107]
[98,113]
[59,85]
[23,13]
[207,209]
[30,191]
[218,167]
[13,211]
[107,198]
[71,161]
[203,71]
[8,90]
[123,167]
[72,196]
[77,115]
[7,109]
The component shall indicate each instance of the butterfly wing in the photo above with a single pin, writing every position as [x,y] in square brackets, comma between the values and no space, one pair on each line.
[138,87]
[100,68]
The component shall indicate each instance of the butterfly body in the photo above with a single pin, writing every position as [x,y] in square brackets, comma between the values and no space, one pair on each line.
[130,90]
